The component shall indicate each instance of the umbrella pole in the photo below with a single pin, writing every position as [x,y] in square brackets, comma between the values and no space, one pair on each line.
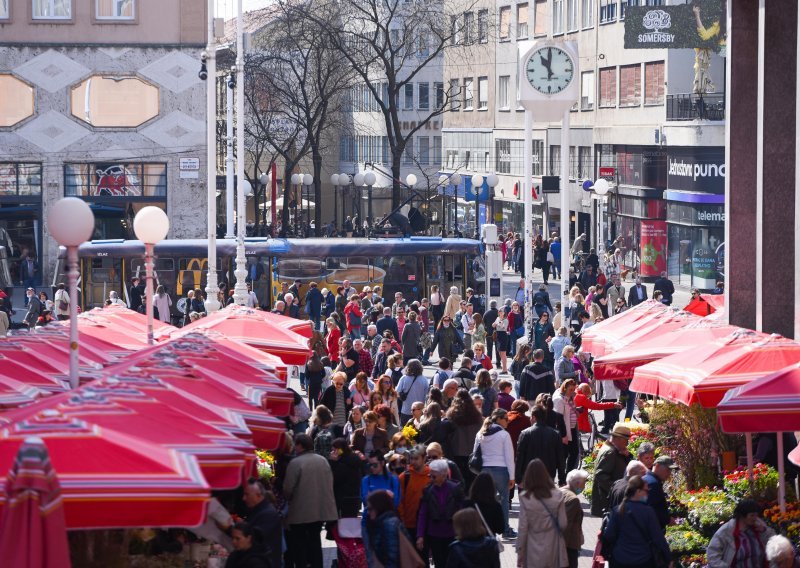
[748,437]
[781,477]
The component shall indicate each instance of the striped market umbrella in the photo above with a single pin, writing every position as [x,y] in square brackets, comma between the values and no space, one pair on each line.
[256,328]
[705,373]
[598,339]
[656,344]
[108,479]
[33,529]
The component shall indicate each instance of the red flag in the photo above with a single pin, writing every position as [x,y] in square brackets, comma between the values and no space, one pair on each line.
[534,192]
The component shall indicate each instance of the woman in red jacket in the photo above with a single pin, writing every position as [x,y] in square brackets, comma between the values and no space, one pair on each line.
[583,400]
[332,340]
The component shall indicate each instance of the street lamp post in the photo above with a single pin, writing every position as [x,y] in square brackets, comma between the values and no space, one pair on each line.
[358,183]
[477,186]
[344,181]
[600,187]
[240,289]
[455,180]
[151,226]
[492,181]
[308,180]
[265,180]
[443,184]
[71,222]
[370,178]
[297,179]
[335,184]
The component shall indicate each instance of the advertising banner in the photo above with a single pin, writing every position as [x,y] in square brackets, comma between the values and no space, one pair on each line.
[653,242]
[697,24]
[696,169]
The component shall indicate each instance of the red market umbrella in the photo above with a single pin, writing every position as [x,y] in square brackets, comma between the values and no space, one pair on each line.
[597,339]
[768,404]
[14,393]
[254,328]
[111,480]
[656,344]
[208,401]
[215,362]
[130,319]
[21,373]
[705,373]
[717,301]
[144,417]
[33,530]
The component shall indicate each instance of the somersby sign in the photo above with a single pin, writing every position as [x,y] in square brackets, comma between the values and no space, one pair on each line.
[696,169]
[699,24]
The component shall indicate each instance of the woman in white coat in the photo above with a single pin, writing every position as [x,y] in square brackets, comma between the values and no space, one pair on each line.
[542,520]
[453,303]
[162,302]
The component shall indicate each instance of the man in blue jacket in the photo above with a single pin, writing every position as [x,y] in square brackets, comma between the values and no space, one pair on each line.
[656,498]
[313,304]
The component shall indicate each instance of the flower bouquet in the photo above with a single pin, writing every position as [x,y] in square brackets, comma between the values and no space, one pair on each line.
[410,433]
[265,464]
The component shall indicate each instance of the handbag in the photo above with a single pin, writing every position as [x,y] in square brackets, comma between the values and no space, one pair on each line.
[550,258]
[409,557]
[500,546]
[476,460]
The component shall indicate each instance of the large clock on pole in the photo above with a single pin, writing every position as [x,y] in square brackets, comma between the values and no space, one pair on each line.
[548,71]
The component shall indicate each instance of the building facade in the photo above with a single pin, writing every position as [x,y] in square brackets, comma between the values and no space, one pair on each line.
[639,118]
[105,104]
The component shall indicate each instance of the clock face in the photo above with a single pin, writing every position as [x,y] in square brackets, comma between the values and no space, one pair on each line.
[549,70]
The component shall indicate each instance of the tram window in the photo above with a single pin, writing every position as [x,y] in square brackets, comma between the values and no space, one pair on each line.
[434,268]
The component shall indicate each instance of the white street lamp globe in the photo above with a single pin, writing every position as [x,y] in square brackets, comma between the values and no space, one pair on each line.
[264,179]
[492,180]
[455,179]
[151,225]
[358,179]
[335,179]
[601,186]
[370,178]
[308,179]
[411,180]
[70,221]
[477,181]
[344,179]
[247,189]
[443,179]
[297,179]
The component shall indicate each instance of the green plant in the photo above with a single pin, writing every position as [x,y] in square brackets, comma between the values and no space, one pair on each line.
[684,540]
[707,509]
[765,483]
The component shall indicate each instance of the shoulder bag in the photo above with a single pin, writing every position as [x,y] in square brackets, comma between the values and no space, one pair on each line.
[409,557]
[475,462]
[403,395]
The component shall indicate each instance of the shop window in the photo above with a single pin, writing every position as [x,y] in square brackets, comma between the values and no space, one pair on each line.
[123,102]
[115,9]
[52,9]
[17,101]
[115,180]
[20,179]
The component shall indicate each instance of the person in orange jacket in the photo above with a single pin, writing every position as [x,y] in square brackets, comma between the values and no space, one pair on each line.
[413,481]
[583,399]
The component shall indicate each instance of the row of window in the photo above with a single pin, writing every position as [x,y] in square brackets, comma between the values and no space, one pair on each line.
[121,102]
[508,159]
[414,96]
[629,94]
[463,29]
[421,150]
[62,9]
[462,95]
[102,179]
[568,16]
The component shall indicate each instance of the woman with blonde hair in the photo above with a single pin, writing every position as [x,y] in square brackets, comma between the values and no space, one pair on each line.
[453,303]
[542,520]
[385,388]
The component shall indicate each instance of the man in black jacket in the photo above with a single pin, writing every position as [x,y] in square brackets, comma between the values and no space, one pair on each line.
[381,359]
[387,322]
[540,441]
[488,319]
[135,295]
[263,515]
[536,378]
[665,286]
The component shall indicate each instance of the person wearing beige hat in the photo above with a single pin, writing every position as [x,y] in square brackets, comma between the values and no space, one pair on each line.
[612,459]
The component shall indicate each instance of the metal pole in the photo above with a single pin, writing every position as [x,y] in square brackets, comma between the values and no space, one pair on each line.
[527,237]
[240,290]
[781,474]
[566,245]
[72,282]
[230,164]
[212,287]
[335,210]
[148,289]
[369,206]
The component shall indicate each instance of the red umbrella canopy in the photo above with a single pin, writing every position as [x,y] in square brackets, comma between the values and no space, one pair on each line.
[252,328]
[33,530]
[129,319]
[705,373]
[154,422]
[217,363]
[597,339]
[111,480]
[39,378]
[14,393]
[768,404]
[52,342]
[656,344]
